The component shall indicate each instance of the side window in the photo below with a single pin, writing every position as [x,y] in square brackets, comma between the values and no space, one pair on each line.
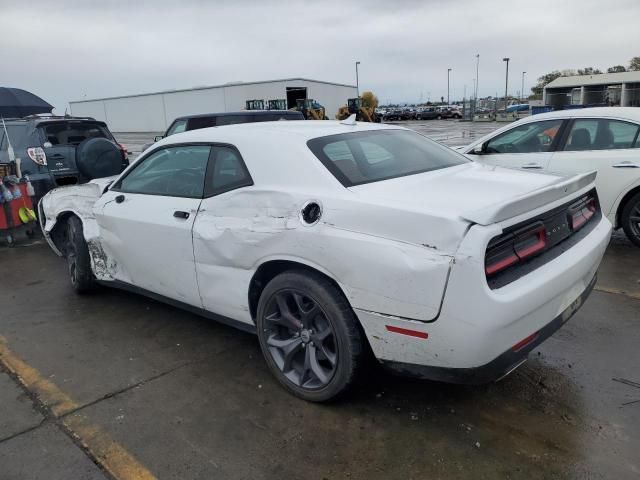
[233,119]
[178,126]
[201,122]
[172,172]
[528,138]
[602,134]
[615,134]
[228,171]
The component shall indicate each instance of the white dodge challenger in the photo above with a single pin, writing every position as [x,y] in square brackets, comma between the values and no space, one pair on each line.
[325,237]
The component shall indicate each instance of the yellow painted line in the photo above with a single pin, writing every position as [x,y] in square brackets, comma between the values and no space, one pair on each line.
[617,291]
[113,458]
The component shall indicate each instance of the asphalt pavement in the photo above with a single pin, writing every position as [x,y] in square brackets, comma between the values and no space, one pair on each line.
[114,385]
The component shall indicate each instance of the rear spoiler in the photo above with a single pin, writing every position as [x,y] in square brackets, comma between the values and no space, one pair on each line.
[530,201]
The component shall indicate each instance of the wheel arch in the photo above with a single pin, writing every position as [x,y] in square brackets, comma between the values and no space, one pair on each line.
[623,202]
[269,269]
[58,234]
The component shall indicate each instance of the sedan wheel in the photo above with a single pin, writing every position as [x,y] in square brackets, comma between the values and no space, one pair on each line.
[309,335]
[630,219]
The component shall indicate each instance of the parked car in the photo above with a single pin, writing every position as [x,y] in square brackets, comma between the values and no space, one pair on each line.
[195,122]
[604,139]
[429,113]
[395,115]
[323,237]
[448,112]
[56,151]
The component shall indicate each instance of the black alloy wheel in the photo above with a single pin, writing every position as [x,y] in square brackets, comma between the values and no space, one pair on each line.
[309,335]
[630,219]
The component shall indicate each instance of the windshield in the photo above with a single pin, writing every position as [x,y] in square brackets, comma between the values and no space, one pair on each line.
[73,133]
[374,155]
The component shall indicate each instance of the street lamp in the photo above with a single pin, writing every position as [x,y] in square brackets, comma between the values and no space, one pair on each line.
[522,89]
[357,82]
[448,74]
[506,82]
[477,71]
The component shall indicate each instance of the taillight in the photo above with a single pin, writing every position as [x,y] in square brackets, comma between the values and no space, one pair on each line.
[515,247]
[580,213]
[125,152]
[37,155]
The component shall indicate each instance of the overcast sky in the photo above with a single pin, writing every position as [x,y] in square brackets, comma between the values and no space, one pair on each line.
[69,50]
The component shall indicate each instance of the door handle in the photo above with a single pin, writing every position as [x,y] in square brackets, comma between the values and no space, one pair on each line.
[119,199]
[532,166]
[181,214]
[626,164]
[57,156]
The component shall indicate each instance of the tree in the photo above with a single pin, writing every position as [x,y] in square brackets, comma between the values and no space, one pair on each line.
[369,100]
[589,71]
[634,64]
[616,69]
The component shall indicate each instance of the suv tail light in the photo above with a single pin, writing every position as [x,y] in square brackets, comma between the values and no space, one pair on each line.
[37,155]
[125,152]
[515,247]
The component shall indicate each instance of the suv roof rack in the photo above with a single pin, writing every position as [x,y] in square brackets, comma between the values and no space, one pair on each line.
[48,116]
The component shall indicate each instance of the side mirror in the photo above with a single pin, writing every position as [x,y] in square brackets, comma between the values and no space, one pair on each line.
[477,150]
[157,138]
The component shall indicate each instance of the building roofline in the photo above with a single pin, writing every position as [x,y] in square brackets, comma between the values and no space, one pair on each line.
[595,79]
[229,84]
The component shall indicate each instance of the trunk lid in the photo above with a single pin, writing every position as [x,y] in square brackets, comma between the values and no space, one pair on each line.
[473,192]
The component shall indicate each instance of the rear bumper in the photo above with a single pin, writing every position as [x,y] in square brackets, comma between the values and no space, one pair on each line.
[478,326]
[500,366]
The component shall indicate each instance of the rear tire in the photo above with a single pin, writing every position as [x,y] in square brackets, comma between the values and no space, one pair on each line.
[309,335]
[630,219]
[78,260]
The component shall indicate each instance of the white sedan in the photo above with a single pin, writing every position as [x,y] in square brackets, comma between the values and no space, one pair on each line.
[325,237]
[577,141]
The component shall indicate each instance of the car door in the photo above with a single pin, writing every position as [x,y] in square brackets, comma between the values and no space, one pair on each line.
[223,234]
[526,146]
[606,145]
[146,221]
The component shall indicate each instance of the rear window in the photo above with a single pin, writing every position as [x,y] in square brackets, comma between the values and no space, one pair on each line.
[365,157]
[73,133]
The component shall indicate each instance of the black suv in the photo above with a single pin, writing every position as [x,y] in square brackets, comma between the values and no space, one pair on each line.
[206,120]
[55,151]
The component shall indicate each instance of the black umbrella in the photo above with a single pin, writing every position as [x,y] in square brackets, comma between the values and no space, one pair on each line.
[15,102]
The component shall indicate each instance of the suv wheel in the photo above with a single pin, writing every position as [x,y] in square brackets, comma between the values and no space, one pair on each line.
[309,335]
[78,260]
[630,219]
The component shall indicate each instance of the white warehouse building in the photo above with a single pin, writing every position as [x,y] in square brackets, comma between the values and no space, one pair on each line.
[154,112]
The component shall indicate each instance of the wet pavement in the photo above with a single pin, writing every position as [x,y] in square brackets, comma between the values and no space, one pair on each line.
[114,385]
[115,381]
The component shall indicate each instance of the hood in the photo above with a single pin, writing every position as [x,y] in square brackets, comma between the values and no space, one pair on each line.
[475,192]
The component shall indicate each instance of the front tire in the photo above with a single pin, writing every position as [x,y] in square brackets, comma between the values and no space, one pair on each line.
[78,260]
[309,335]
[630,219]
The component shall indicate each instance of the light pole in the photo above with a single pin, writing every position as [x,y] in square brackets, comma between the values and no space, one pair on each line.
[522,89]
[357,81]
[477,71]
[506,82]
[448,75]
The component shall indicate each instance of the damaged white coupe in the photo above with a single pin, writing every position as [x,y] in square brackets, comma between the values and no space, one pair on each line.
[327,238]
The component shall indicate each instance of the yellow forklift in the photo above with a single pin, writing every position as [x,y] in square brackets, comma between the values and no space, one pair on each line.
[311,109]
[363,107]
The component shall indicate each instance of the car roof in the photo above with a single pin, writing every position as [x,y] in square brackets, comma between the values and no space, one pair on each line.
[626,113]
[49,119]
[301,129]
[241,112]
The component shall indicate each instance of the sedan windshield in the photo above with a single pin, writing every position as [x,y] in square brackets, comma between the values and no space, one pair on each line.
[374,155]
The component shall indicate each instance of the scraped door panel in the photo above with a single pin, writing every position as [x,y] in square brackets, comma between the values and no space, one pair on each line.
[151,246]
